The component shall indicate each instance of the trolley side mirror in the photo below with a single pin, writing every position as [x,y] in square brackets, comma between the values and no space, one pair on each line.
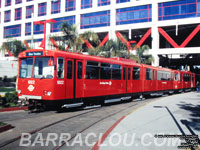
[50,62]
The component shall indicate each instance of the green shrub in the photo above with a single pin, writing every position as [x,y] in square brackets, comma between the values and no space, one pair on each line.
[11,97]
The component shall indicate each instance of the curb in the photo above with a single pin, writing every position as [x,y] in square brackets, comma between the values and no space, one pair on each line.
[5,128]
[14,109]
[106,134]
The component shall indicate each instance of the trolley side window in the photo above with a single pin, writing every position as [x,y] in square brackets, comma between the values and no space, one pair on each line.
[129,73]
[116,72]
[148,74]
[124,73]
[69,69]
[105,71]
[80,70]
[186,77]
[26,68]
[155,75]
[136,73]
[60,68]
[160,75]
[92,70]
[177,77]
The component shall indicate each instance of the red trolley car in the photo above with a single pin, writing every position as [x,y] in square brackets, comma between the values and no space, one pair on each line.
[58,78]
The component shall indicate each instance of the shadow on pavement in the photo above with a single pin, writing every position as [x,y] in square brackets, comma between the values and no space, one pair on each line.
[194,120]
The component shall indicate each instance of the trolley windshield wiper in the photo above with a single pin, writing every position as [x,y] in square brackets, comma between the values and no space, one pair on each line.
[42,77]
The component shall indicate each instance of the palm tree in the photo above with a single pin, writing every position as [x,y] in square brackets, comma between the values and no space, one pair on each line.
[110,49]
[140,57]
[91,37]
[71,37]
[15,47]
[74,40]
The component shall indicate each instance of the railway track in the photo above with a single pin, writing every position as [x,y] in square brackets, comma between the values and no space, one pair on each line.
[43,127]
[33,132]
[89,126]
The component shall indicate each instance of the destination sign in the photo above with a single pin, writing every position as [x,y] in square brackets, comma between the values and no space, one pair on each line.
[34,54]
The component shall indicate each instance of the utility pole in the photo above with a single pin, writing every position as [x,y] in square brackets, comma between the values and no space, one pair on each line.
[43,44]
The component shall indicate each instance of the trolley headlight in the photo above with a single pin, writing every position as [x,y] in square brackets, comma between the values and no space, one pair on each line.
[19,91]
[47,93]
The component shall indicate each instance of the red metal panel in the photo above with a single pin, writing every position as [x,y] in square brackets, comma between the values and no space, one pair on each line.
[143,39]
[88,44]
[168,38]
[42,45]
[189,38]
[54,43]
[6,47]
[26,44]
[104,41]
[120,36]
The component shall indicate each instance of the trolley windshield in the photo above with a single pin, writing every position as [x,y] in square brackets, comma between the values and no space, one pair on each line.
[39,67]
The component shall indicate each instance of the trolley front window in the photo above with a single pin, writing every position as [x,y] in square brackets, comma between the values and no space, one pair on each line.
[26,68]
[43,67]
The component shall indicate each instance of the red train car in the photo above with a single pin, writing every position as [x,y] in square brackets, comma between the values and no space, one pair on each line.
[64,79]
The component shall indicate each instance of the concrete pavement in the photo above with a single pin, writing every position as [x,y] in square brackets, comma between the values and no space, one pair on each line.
[157,125]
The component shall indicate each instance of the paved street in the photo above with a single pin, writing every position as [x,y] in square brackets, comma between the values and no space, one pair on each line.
[167,114]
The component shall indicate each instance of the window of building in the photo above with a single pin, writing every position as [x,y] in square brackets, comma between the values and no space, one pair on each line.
[42,9]
[18,14]
[29,11]
[55,27]
[7,16]
[103,2]
[18,1]
[136,73]
[12,31]
[148,74]
[105,71]
[55,7]
[86,4]
[135,14]
[60,68]
[116,72]
[8,3]
[80,70]
[38,28]
[28,29]
[0,3]
[92,70]
[70,5]
[179,9]
[94,20]
[69,69]
[122,1]
[29,0]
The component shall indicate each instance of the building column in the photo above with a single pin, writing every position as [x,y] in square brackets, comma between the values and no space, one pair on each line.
[155,33]
[78,16]
[1,27]
[112,28]
[62,6]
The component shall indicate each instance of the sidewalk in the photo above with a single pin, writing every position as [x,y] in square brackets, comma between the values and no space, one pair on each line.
[171,115]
